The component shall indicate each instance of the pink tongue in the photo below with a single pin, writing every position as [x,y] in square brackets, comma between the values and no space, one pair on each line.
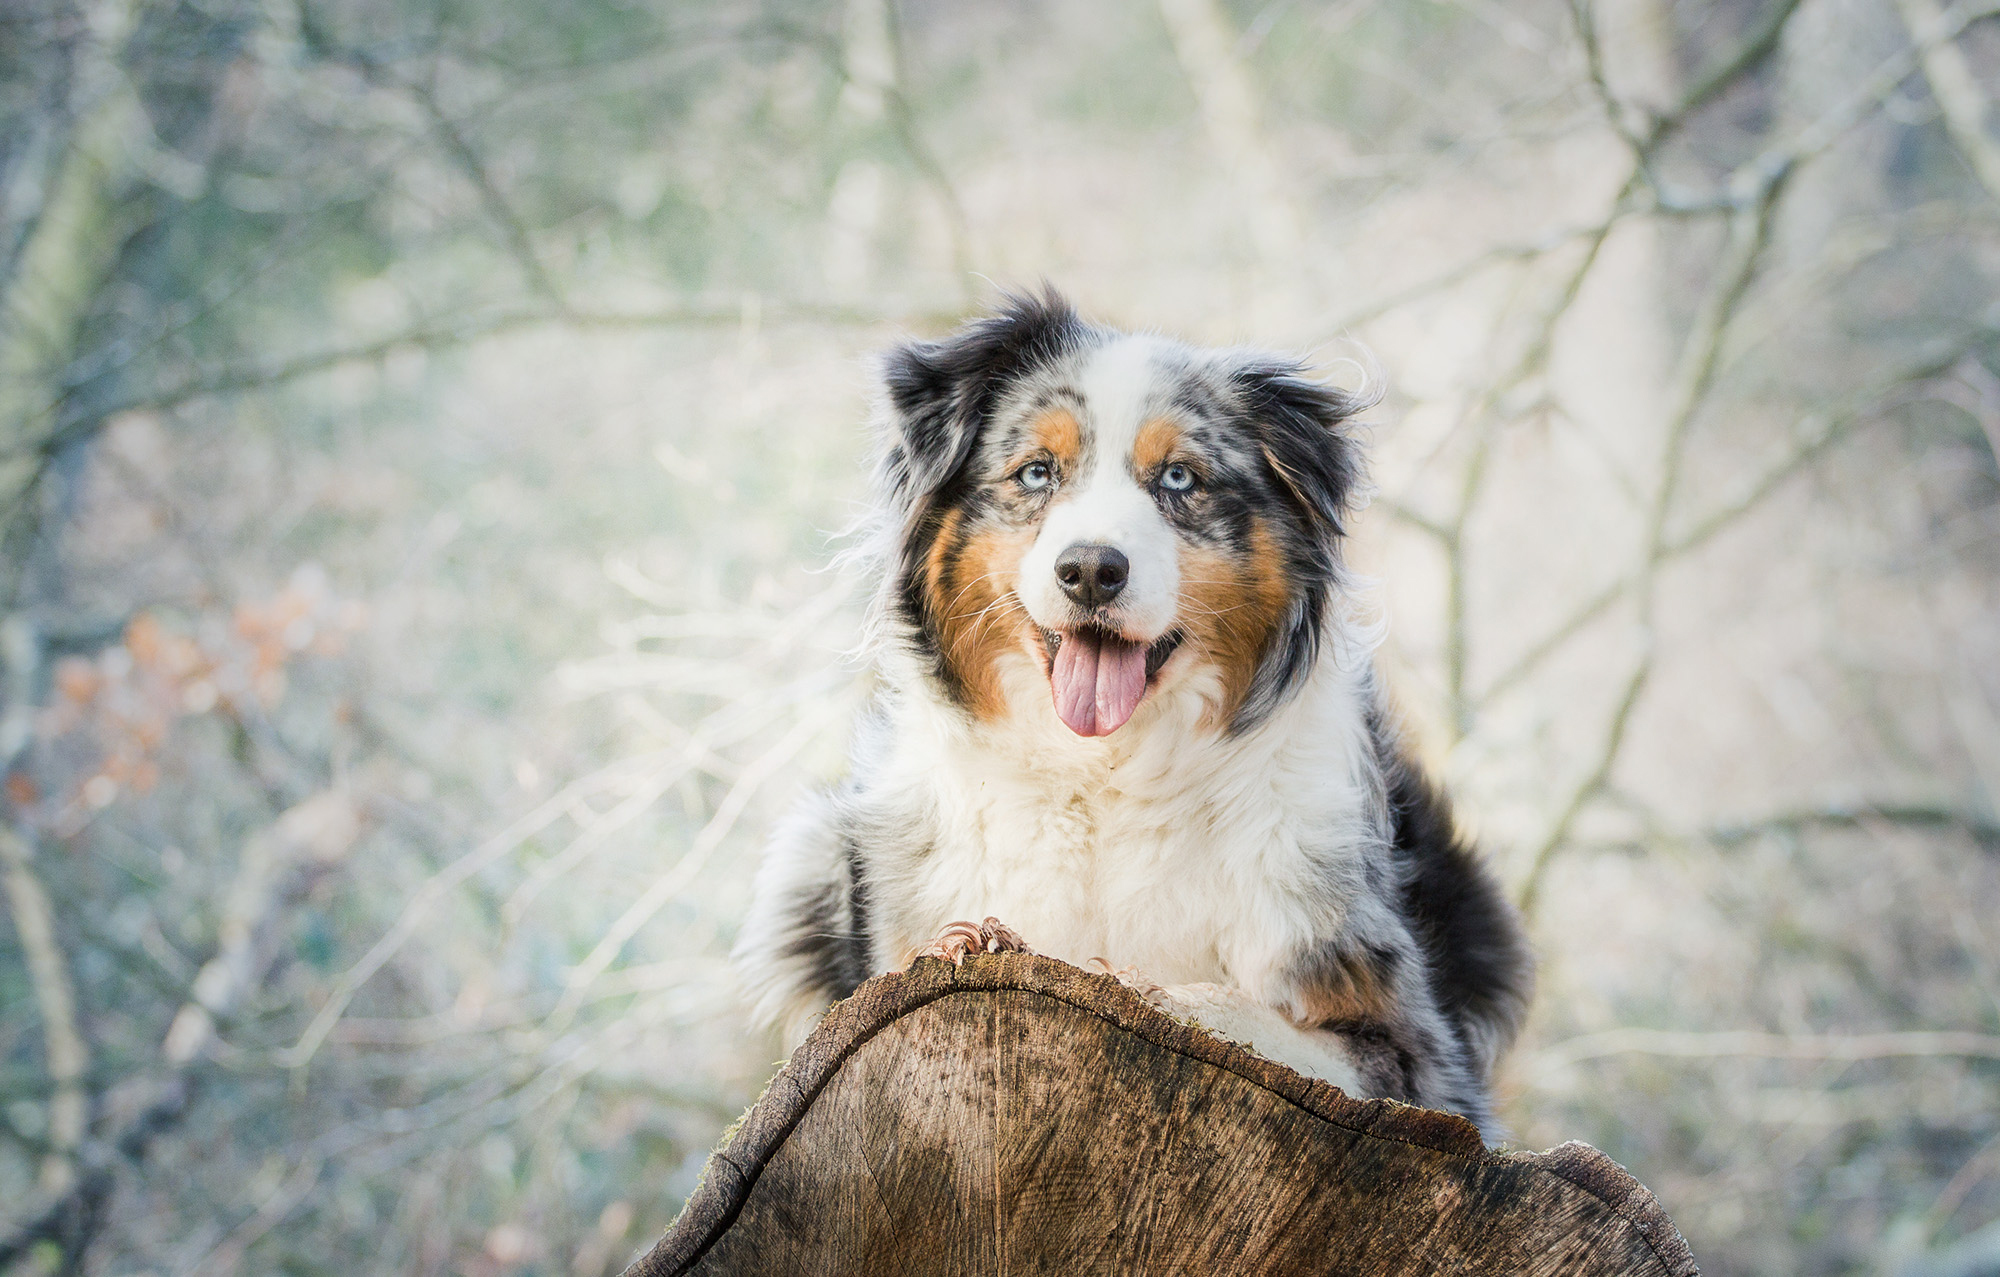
[1098,682]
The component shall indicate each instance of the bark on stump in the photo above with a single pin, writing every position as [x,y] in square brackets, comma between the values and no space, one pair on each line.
[1018,1115]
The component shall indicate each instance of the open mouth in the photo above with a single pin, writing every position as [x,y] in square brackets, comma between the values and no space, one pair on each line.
[1099,677]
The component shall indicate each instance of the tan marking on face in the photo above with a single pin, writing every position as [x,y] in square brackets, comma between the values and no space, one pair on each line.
[940,555]
[1057,433]
[1156,442]
[969,577]
[1231,608]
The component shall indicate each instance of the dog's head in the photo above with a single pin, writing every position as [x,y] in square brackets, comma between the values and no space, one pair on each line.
[1113,512]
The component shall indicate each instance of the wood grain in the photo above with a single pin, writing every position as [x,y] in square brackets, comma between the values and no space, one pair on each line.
[1018,1115]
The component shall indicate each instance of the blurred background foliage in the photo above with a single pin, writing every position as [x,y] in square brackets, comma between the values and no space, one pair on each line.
[421,428]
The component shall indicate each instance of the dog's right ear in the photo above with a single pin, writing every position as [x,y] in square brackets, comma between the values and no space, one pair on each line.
[941,393]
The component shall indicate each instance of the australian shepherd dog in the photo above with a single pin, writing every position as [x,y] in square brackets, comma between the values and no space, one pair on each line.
[1126,710]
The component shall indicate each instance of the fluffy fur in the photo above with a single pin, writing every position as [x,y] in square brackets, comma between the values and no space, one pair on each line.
[1251,838]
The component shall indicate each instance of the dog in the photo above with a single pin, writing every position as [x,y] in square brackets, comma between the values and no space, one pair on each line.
[1126,707]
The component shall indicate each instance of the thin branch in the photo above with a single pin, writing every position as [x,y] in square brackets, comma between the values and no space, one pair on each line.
[1759,44]
[1477,264]
[418,909]
[1957,92]
[1204,43]
[467,329]
[55,997]
[63,1046]
[1422,522]
[1866,407]
[903,121]
[1533,358]
[1749,230]
[1679,1044]
[1589,787]
[1631,121]
[274,870]
[73,1214]
[1873,91]
[693,860]
[1914,815]
[502,213]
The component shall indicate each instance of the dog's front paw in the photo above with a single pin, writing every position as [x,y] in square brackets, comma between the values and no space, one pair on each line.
[960,938]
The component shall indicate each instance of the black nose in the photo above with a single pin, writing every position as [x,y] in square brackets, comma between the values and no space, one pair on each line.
[1092,575]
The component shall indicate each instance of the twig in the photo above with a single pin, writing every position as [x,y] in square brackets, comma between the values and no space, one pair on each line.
[1960,1186]
[1711,80]
[1957,93]
[71,1216]
[1478,263]
[1810,141]
[421,902]
[319,830]
[55,996]
[282,1201]
[1749,230]
[1534,357]
[1923,368]
[1205,46]
[1774,1046]
[512,228]
[903,121]
[691,862]
[63,1046]
[1589,787]
[1919,815]
[467,329]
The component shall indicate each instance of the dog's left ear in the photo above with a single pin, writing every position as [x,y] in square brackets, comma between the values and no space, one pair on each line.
[1300,425]
[940,393]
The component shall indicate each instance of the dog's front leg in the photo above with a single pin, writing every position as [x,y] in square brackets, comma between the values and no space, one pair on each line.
[1233,1014]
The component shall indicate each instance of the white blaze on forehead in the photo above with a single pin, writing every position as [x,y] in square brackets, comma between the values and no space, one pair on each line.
[1120,387]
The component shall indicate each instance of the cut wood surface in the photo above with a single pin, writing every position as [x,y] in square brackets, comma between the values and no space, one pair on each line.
[1018,1115]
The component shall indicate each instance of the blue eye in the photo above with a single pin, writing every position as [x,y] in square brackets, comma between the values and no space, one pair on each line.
[1177,478]
[1035,476]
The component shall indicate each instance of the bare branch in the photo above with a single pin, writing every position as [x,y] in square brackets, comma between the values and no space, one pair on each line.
[1631,122]
[418,909]
[1404,513]
[321,829]
[71,1216]
[316,832]
[55,996]
[502,213]
[903,120]
[63,1046]
[467,329]
[1588,788]
[1749,230]
[1873,91]
[1477,264]
[1865,408]
[1770,1046]
[1957,93]
[1916,815]
[692,861]
[1533,359]
[1206,47]
[1711,80]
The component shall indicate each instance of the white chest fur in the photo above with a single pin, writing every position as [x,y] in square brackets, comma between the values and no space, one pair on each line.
[1167,846]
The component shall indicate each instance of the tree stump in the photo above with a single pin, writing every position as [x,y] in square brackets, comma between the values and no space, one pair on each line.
[1018,1115]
